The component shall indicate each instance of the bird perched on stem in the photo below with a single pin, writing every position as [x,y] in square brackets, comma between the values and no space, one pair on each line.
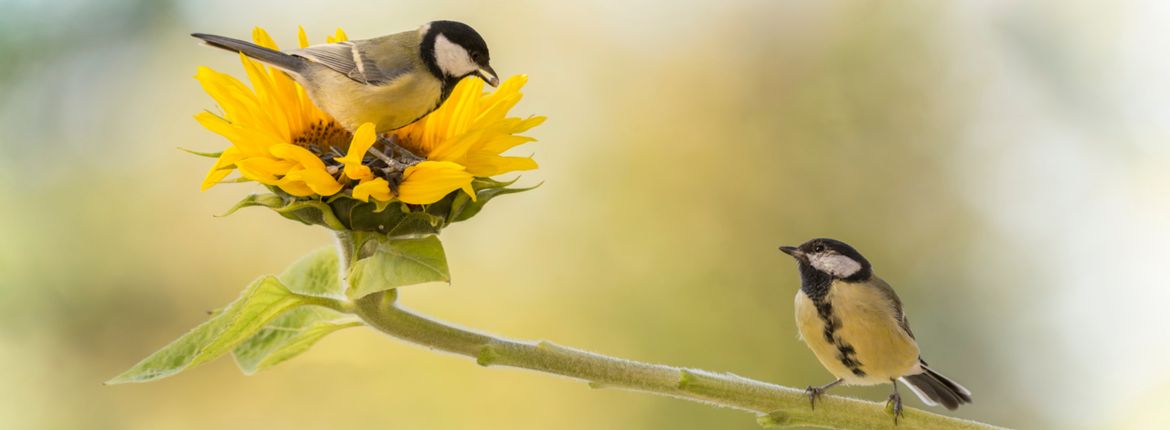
[854,324]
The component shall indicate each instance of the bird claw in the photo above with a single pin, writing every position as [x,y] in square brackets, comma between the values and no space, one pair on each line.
[896,399]
[398,152]
[394,180]
[397,160]
[813,393]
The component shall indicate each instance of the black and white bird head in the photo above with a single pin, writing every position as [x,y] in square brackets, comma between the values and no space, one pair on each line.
[830,257]
[453,50]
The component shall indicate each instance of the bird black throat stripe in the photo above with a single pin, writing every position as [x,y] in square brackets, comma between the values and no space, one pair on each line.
[845,352]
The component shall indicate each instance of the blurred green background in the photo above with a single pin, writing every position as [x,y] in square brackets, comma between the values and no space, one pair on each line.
[1003,164]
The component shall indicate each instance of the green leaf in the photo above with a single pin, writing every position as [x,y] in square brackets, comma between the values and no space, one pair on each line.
[398,263]
[288,336]
[316,274]
[263,300]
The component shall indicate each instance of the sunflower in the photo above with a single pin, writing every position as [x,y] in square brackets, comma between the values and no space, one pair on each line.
[282,140]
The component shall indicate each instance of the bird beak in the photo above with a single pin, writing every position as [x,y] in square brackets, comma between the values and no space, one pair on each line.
[489,76]
[793,251]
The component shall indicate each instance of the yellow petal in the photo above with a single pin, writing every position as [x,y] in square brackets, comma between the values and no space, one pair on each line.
[377,188]
[496,105]
[318,180]
[299,154]
[363,138]
[248,141]
[465,103]
[286,91]
[339,36]
[263,169]
[295,187]
[526,124]
[261,37]
[213,177]
[495,111]
[271,110]
[455,149]
[486,165]
[223,167]
[302,38]
[238,102]
[437,124]
[510,86]
[429,181]
[499,144]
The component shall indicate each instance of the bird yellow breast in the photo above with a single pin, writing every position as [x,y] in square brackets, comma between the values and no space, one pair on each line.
[388,106]
[867,345]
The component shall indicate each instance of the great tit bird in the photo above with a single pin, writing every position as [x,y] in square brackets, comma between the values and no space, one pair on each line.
[390,81]
[854,323]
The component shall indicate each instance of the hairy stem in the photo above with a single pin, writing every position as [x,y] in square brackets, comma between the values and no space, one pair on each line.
[778,406]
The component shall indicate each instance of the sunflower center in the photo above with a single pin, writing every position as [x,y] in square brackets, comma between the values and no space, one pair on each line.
[324,137]
[407,142]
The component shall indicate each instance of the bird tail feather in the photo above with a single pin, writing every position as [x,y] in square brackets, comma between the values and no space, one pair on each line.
[934,388]
[272,57]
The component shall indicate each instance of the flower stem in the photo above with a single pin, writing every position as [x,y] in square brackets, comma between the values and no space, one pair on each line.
[779,406]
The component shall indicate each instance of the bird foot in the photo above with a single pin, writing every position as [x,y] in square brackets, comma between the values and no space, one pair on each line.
[397,160]
[894,405]
[813,394]
[398,152]
[816,392]
[394,180]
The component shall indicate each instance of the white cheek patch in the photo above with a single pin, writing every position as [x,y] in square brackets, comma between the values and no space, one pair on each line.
[452,59]
[834,264]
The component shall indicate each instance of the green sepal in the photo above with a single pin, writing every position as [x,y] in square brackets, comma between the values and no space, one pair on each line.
[271,201]
[263,300]
[380,206]
[201,153]
[306,211]
[468,208]
[385,263]
[341,212]
[391,219]
[311,212]
[288,336]
[484,183]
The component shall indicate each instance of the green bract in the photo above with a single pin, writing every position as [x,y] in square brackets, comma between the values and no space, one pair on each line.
[395,219]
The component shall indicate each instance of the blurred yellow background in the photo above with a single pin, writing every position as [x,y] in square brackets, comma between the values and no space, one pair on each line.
[1003,164]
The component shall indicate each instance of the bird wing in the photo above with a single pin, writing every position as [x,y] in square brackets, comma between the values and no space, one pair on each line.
[355,60]
[889,293]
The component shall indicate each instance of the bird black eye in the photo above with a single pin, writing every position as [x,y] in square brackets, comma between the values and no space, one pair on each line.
[819,248]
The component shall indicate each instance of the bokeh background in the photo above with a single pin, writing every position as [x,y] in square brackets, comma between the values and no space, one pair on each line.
[1004,164]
